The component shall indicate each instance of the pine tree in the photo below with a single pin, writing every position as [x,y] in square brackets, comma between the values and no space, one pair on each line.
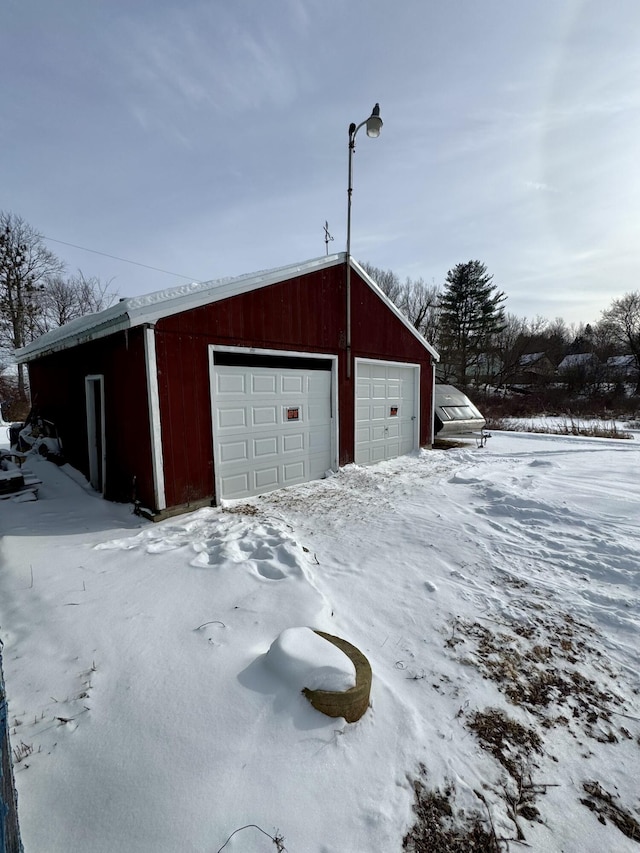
[471,315]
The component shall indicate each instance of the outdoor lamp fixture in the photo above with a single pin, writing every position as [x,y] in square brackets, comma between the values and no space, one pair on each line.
[374,125]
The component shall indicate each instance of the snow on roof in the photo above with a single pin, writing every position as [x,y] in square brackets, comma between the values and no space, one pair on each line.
[578,359]
[139,310]
[530,358]
[621,361]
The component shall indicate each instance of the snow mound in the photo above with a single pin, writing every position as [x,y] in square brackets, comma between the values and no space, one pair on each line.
[304,659]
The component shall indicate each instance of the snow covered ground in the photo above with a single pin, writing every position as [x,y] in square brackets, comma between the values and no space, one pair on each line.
[494,591]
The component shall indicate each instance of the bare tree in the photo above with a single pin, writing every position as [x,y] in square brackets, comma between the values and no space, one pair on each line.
[387,281]
[420,302]
[622,320]
[508,346]
[417,300]
[64,299]
[25,267]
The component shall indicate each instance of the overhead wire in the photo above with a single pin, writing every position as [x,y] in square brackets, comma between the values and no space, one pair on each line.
[124,260]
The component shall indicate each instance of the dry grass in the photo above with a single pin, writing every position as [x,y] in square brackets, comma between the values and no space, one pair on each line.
[511,743]
[605,806]
[568,426]
[438,829]
[539,665]
[536,667]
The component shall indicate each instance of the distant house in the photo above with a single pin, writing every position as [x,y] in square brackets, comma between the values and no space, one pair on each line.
[622,368]
[484,369]
[580,369]
[585,362]
[227,389]
[534,368]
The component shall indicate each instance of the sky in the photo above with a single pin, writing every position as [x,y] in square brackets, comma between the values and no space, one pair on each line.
[154,671]
[210,139]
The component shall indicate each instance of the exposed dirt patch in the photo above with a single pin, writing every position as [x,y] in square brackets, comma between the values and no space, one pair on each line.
[242,509]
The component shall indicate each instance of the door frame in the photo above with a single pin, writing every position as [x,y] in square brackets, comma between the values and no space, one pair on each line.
[97,460]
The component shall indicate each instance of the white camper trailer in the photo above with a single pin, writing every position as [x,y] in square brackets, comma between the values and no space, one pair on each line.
[454,413]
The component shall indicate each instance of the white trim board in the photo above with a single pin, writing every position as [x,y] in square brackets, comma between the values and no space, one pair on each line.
[97,466]
[155,426]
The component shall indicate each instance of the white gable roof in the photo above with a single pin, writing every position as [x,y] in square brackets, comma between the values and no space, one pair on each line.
[530,358]
[578,359]
[626,361]
[143,310]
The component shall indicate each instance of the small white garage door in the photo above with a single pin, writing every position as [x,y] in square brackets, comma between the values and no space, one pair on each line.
[271,428]
[386,411]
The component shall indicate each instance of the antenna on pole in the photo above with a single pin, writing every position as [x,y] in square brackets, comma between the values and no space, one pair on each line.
[327,237]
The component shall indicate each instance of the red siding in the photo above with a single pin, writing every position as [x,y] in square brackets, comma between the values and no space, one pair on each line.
[58,391]
[304,314]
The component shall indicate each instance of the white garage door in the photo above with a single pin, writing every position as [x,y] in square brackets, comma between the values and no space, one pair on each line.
[272,428]
[386,411]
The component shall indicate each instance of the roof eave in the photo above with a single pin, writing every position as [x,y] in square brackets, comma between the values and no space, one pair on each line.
[37,350]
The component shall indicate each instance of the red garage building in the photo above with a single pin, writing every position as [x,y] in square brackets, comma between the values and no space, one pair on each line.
[227,389]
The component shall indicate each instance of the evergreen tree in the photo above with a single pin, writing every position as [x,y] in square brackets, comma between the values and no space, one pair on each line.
[471,316]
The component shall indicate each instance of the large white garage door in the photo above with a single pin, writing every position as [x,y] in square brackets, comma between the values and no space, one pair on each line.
[271,428]
[386,411]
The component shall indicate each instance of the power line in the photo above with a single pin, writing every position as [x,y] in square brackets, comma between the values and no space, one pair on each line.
[124,260]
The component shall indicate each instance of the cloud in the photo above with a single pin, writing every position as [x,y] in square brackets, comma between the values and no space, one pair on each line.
[540,187]
[204,57]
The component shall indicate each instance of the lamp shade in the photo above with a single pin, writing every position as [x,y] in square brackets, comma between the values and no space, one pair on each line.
[374,123]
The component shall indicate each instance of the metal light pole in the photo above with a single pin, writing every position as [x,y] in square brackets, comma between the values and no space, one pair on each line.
[374,125]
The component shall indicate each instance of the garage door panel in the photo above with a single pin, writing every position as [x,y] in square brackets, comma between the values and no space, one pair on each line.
[266,477]
[233,418]
[292,443]
[317,413]
[407,430]
[292,384]
[265,447]
[386,411]
[227,384]
[319,443]
[272,427]
[232,451]
[235,484]
[263,383]
[263,415]
[293,473]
